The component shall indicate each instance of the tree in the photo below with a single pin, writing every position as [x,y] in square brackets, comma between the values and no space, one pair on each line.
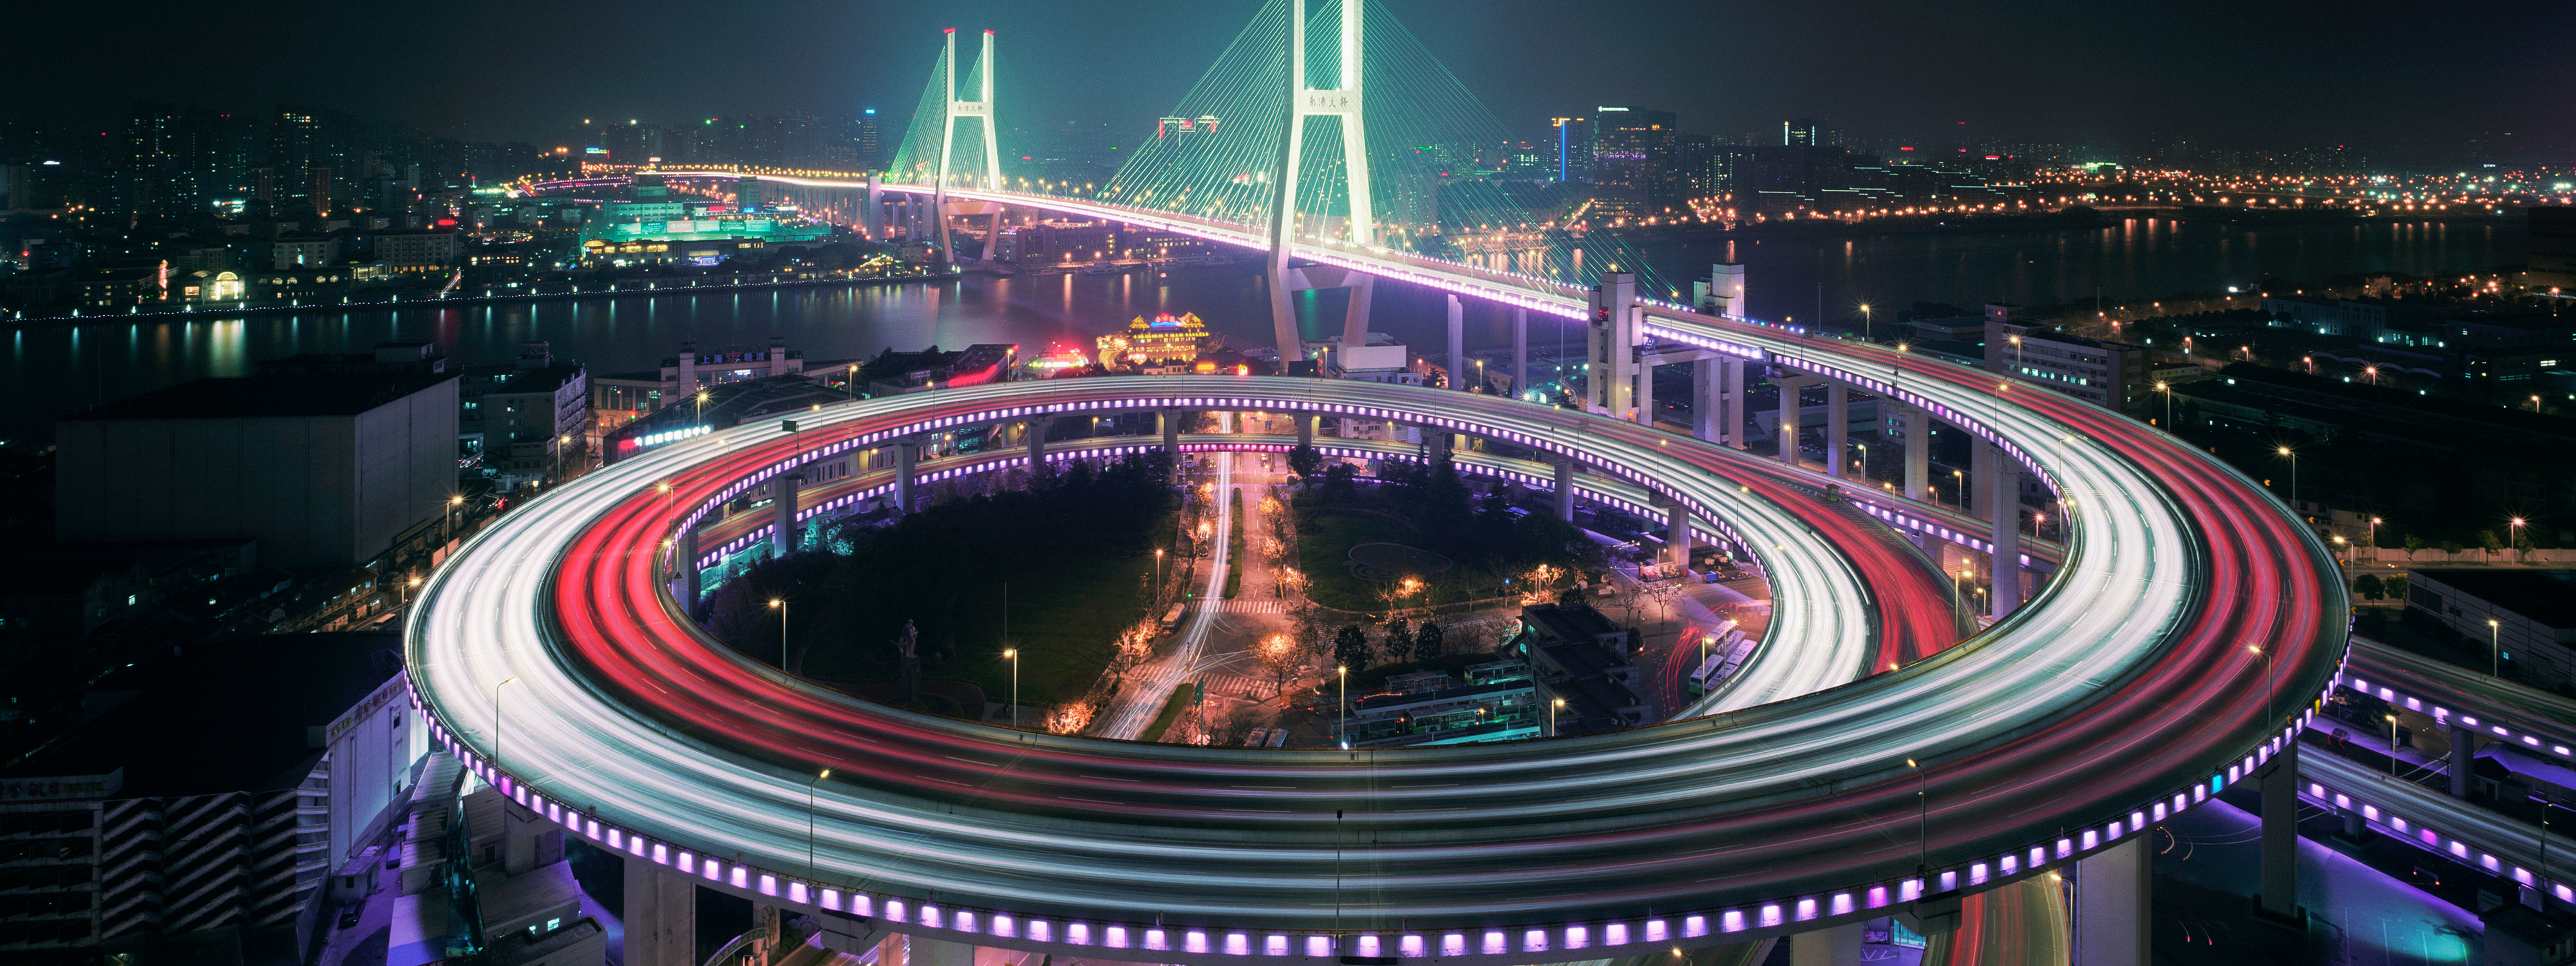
[1427,642]
[1304,459]
[2451,546]
[2413,543]
[1350,647]
[2370,587]
[2487,539]
[1399,640]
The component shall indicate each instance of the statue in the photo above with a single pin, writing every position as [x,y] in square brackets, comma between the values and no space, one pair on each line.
[908,662]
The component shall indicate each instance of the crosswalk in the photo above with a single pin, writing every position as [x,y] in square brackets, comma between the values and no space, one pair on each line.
[1256,606]
[1236,685]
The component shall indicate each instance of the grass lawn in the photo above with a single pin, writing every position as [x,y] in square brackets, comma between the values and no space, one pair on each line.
[1064,624]
[1172,711]
[1234,546]
[1325,554]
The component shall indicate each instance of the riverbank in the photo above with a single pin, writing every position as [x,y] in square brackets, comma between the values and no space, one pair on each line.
[394,300]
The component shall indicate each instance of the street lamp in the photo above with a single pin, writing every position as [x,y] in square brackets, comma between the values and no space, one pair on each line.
[2495,651]
[1551,716]
[2392,745]
[1342,727]
[809,821]
[780,605]
[2167,389]
[496,721]
[1014,654]
[1959,487]
[2293,456]
[2514,538]
[1922,815]
[1867,333]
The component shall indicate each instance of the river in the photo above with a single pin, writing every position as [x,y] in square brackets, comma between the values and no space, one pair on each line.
[59,370]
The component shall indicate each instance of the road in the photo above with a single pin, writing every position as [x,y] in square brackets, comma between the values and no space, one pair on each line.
[1150,687]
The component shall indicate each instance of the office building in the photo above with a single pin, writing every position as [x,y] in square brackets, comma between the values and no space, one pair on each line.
[2114,375]
[1632,155]
[2552,255]
[420,248]
[325,464]
[526,422]
[618,397]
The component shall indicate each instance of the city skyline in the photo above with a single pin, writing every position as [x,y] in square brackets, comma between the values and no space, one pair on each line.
[1891,70]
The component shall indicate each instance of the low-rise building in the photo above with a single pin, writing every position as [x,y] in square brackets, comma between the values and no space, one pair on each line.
[523,420]
[622,396]
[2114,375]
[2526,617]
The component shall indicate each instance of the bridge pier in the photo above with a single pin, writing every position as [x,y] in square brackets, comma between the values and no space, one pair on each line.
[1458,378]
[1036,431]
[1708,399]
[1564,488]
[661,916]
[1305,429]
[2464,749]
[1520,352]
[1731,416]
[1837,429]
[2279,900]
[907,451]
[1439,441]
[1171,422]
[782,512]
[2005,491]
[1645,392]
[1830,946]
[872,214]
[1609,375]
[1793,414]
[2114,896]
[687,565]
[1918,453]
[1677,533]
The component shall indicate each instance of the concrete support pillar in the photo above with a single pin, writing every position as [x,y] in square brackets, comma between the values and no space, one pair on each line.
[1520,352]
[1459,378]
[782,512]
[872,216]
[1646,394]
[2113,891]
[2464,747]
[2280,786]
[906,453]
[1677,534]
[1036,431]
[1610,342]
[688,567]
[1564,489]
[1918,454]
[661,916]
[1306,428]
[1171,420]
[1981,473]
[1837,431]
[2005,493]
[935,952]
[1438,441]
[1706,398]
[1355,319]
[1830,946]
[1792,414]
[1730,420]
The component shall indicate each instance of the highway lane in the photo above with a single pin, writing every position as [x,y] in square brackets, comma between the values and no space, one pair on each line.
[1144,697]
[1675,817]
[2538,722]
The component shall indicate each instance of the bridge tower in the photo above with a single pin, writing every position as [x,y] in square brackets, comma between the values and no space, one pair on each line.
[1341,100]
[981,109]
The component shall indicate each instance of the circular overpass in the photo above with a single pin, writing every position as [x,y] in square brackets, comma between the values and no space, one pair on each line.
[2192,614]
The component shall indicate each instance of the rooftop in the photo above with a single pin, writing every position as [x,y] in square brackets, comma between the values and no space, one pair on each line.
[264,396]
[2545,596]
[226,716]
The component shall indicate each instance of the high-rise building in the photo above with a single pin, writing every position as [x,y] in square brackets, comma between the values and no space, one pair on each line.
[1809,133]
[1632,151]
[870,157]
[1573,148]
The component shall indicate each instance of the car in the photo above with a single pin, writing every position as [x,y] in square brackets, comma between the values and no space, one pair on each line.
[349,916]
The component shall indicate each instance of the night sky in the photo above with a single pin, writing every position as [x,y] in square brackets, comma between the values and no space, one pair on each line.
[2405,77]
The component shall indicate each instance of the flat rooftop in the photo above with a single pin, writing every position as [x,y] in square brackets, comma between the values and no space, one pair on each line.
[255,397]
[2546,596]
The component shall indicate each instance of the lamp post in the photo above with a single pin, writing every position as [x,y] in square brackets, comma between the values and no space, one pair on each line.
[1867,332]
[2167,389]
[2513,535]
[1552,709]
[2267,681]
[1922,816]
[2293,456]
[2495,649]
[1959,487]
[2392,745]
[780,605]
[1014,654]
[809,821]
[1158,573]
[702,407]
[496,720]
[2374,539]
[1342,726]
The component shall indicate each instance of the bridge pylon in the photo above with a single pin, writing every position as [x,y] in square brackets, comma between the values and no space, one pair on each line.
[981,108]
[1341,100]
